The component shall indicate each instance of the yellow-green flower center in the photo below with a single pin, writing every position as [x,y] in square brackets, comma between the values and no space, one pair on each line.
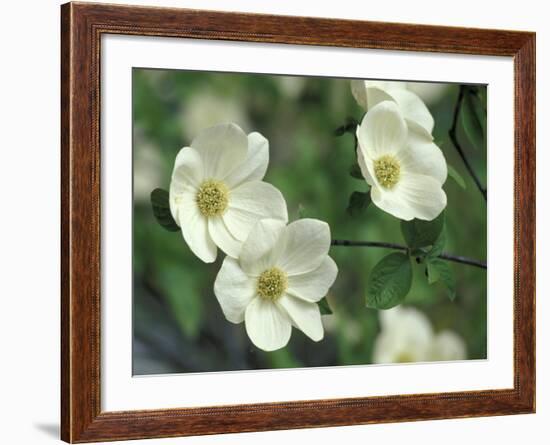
[212,198]
[271,284]
[404,357]
[387,171]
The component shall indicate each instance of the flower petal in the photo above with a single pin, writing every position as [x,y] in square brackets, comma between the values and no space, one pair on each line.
[359,92]
[423,194]
[304,246]
[223,239]
[188,168]
[369,93]
[383,131]
[234,290]
[175,198]
[381,90]
[304,315]
[260,250]
[194,228]
[222,148]
[314,285]
[255,165]
[414,110]
[391,202]
[186,177]
[376,94]
[266,325]
[423,157]
[365,169]
[251,202]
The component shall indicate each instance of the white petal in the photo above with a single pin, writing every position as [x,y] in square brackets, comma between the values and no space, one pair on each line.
[359,92]
[223,239]
[188,168]
[383,131]
[176,197]
[364,169]
[255,165]
[378,91]
[392,203]
[222,148]
[423,157]
[234,290]
[304,244]
[266,325]
[414,109]
[186,177]
[251,202]
[387,86]
[423,194]
[194,228]
[304,315]
[314,285]
[260,250]
[430,93]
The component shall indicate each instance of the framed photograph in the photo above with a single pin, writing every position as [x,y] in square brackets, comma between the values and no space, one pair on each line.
[274,222]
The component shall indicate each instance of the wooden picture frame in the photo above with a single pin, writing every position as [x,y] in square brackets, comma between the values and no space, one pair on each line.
[82,26]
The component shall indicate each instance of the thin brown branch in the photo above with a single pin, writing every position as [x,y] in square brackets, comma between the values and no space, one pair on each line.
[384,245]
[454,139]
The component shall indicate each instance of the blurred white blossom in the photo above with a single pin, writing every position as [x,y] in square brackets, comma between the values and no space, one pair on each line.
[446,346]
[407,336]
[207,109]
[291,86]
[148,167]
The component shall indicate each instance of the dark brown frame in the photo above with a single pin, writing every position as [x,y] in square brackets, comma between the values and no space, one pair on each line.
[82,25]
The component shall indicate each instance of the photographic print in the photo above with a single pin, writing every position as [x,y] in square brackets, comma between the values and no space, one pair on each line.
[288,217]
[294,222]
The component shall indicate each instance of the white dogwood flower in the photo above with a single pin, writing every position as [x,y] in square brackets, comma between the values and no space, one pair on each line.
[370,93]
[280,275]
[447,346]
[407,336]
[217,193]
[405,171]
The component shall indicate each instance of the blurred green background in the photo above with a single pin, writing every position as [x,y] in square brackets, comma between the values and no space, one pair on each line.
[178,324]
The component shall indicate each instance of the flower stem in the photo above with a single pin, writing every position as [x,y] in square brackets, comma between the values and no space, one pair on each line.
[384,245]
[454,139]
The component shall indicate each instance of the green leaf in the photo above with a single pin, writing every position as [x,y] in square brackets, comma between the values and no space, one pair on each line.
[473,117]
[161,210]
[419,233]
[432,273]
[439,271]
[358,203]
[456,176]
[324,306]
[389,281]
[438,246]
[355,171]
